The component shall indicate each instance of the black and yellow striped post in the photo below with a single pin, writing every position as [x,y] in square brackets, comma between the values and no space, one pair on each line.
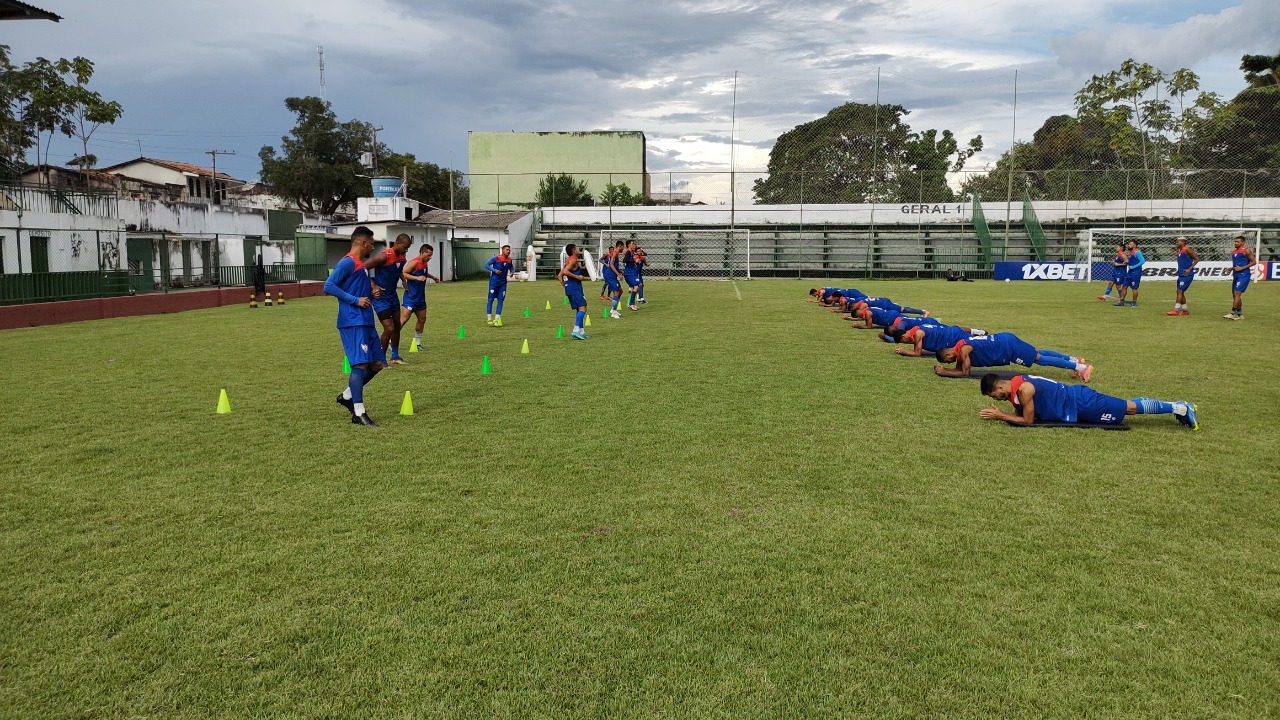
[268,302]
[280,299]
[253,301]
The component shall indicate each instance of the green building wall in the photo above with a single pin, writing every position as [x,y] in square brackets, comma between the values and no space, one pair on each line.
[505,167]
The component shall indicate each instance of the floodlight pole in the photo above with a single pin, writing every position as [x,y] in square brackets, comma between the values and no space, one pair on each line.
[733,125]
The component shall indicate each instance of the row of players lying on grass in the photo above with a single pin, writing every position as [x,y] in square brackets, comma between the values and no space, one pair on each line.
[1126,275]
[972,348]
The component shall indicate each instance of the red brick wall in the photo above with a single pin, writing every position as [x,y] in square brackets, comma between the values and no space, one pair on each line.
[53,313]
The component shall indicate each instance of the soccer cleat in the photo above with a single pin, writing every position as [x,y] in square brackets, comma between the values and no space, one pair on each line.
[604,298]
[1086,373]
[1103,298]
[1229,316]
[497,322]
[615,314]
[1191,420]
[418,344]
[350,405]
[643,301]
[578,335]
[489,323]
[632,307]
[363,420]
[1174,312]
[397,361]
[1184,312]
[1119,304]
[1133,304]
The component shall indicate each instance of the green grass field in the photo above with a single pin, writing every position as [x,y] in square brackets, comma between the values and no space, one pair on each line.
[713,508]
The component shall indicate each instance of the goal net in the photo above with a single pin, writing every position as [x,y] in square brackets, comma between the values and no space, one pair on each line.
[1213,245]
[699,254]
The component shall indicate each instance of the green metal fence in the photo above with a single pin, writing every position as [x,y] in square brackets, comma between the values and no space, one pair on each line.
[17,289]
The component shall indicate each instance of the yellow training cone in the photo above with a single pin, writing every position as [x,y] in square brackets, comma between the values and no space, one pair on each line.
[406,407]
[413,346]
[224,405]
[524,349]
[587,321]
[548,304]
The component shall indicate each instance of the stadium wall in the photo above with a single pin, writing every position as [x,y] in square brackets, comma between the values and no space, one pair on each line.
[506,167]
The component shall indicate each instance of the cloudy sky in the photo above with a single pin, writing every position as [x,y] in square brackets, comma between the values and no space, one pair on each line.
[199,75]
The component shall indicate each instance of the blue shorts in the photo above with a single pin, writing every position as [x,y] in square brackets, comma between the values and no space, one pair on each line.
[498,291]
[632,280]
[1134,278]
[576,297]
[388,301]
[1184,281]
[1094,407]
[611,281]
[414,302]
[1119,277]
[362,345]
[1022,353]
[1240,283]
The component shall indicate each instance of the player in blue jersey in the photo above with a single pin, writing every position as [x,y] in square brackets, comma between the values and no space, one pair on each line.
[631,273]
[349,282]
[867,318]
[1005,349]
[1119,273]
[1242,262]
[1133,276]
[887,304]
[822,295]
[846,298]
[1036,398]
[500,269]
[642,263]
[386,303]
[928,338]
[611,270]
[1187,261]
[415,291]
[571,275]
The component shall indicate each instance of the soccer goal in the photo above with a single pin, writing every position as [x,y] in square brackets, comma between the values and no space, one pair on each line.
[700,254]
[1213,245]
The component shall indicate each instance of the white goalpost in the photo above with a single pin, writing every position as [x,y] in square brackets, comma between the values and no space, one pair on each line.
[697,254]
[1213,245]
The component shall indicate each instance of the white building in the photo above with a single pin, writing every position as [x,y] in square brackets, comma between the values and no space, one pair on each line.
[513,228]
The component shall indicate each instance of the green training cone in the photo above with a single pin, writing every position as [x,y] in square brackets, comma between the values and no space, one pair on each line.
[526,312]
[566,301]
[605,313]
[484,366]
[346,365]
[559,331]
[548,304]
[524,349]
[406,406]
[461,332]
[224,405]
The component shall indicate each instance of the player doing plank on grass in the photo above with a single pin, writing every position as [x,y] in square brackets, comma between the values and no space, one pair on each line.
[1040,399]
[1004,349]
[1242,262]
[1187,261]
[927,338]
[349,282]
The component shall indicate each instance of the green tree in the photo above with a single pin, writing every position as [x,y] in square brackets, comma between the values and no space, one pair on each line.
[46,101]
[562,190]
[861,153]
[90,110]
[620,195]
[15,135]
[1238,151]
[319,164]
[428,182]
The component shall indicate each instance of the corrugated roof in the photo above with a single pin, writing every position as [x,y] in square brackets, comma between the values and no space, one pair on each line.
[175,166]
[474,218]
[14,10]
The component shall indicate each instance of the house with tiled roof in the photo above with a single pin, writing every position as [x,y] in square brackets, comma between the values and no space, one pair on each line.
[200,184]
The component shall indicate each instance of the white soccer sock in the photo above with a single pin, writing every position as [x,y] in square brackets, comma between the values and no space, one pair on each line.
[577,328]
[346,393]
[977,332]
[1180,409]
[1080,366]
[359,408]
[418,337]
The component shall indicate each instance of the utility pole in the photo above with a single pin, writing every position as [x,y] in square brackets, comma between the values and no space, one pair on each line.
[320,53]
[375,129]
[217,196]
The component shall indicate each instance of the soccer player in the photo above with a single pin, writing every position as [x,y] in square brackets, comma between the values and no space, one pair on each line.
[415,291]
[1037,398]
[927,338]
[631,273]
[571,275]
[1004,349]
[1187,261]
[1133,278]
[887,304]
[350,284]
[1242,261]
[643,261]
[386,303]
[1119,274]
[500,269]
[872,316]
[612,272]
[846,298]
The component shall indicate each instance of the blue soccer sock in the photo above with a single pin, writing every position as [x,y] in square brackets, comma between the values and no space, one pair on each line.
[501,298]
[642,291]
[1150,406]
[578,319]
[911,310]
[616,299]
[1053,361]
[1107,292]
[1054,353]
[355,382]
[632,301]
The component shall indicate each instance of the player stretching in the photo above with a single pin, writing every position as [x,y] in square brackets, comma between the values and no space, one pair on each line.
[612,274]
[642,261]
[1242,261]
[1119,274]
[500,268]
[570,276]
[873,317]
[415,291]
[1037,398]
[1133,278]
[927,338]
[631,273]
[350,284]
[1187,261]
[1005,349]
[385,301]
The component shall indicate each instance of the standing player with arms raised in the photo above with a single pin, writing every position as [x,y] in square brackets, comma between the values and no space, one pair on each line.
[415,291]
[349,282]
[1242,262]
[1187,261]
[570,276]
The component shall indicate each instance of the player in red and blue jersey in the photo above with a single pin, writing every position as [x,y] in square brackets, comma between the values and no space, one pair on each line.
[1119,273]
[1187,261]
[611,270]
[846,298]
[631,273]
[500,269]
[1242,262]
[641,263]
[415,291]
[873,316]
[386,303]
[349,283]
[887,304]
[571,276]
[1133,276]
[927,338]
[1040,399]
[1005,349]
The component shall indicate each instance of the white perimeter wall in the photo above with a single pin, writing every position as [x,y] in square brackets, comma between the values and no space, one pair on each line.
[73,240]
